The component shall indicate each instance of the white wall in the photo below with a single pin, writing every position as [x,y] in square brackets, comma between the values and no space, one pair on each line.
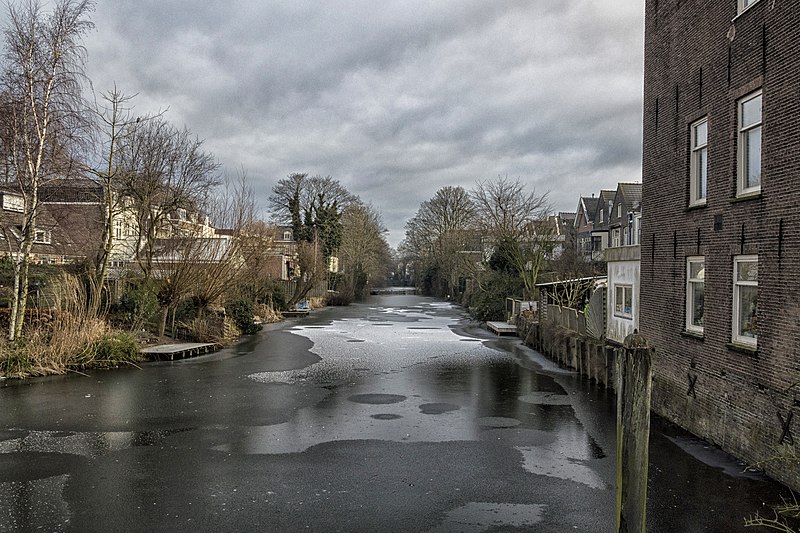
[622,273]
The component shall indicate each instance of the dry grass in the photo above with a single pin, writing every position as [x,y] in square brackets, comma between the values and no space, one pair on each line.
[72,336]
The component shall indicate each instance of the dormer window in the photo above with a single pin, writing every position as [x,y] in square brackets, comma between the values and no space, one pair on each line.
[42,237]
[287,235]
[12,202]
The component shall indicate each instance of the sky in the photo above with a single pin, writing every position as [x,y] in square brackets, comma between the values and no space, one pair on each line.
[395,99]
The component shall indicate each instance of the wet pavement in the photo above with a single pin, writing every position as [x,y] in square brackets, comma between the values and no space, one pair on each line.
[395,415]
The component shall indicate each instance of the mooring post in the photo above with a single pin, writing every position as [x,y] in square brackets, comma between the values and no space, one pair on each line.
[633,381]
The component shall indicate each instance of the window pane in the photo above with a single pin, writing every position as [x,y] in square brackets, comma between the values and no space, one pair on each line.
[702,172]
[697,270]
[701,134]
[753,140]
[697,302]
[751,112]
[747,271]
[629,301]
[748,305]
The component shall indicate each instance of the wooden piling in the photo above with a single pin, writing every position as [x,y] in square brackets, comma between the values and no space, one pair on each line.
[633,384]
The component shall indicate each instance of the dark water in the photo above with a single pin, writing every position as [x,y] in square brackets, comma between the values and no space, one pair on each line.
[387,416]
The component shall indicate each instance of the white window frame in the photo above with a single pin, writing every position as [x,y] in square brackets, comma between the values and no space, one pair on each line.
[12,202]
[744,5]
[744,132]
[736,337]
[616,235]
[691,283]
[42,236]
[619,307]
[698,165]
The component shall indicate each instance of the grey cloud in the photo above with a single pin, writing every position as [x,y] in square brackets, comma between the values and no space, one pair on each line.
[397,98]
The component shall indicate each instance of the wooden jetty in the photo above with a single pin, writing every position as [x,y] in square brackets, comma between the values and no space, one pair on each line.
[170,352]
[295,313]
[502,328]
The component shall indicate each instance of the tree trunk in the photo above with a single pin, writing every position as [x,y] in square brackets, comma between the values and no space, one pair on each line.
[162,322]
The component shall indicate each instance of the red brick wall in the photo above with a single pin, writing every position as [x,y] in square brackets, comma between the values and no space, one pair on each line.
[693,69]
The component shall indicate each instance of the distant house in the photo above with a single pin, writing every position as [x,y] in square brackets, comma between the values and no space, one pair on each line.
[583,226]
[625,222]
[600,224]
[62,236]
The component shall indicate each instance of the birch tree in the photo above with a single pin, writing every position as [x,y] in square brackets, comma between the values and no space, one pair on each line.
[43,65]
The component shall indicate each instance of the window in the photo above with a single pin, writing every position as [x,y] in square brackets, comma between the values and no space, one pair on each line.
[698,171]
[619,210]
[615,237]
[623,301]
[745,299]
[287,235]
[745,4]
[12,202]
[118,226]
[637,228]
[749,150]
[695,293]
[41,237]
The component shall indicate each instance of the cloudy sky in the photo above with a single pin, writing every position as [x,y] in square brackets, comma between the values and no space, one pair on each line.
[395,99]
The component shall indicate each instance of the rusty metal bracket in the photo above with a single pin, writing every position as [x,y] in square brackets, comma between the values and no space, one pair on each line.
[692,381]
[786,434]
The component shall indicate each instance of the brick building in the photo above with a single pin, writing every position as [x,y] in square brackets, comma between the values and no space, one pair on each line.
[720,253]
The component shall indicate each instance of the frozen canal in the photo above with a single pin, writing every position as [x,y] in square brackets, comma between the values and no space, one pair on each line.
[393,415]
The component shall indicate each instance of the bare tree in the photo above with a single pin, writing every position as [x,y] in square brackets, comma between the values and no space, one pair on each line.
[114,121]
[162,169]
[364,255]
[514,221]
[42,77]
[442,238]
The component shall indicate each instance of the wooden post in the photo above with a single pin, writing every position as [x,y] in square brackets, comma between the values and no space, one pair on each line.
[634,384]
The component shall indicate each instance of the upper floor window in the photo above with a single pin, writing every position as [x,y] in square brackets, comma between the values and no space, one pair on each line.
[12,202]
[745,299]
[745,4]
[619,210]
[749,149]
[615,237]
[287,235]
[695,293]
[698,164]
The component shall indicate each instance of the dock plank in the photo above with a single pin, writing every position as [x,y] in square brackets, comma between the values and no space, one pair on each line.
[181,350]
[502,328]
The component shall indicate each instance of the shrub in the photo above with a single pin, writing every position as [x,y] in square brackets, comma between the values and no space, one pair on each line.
[115,348]
[340,298]
[241,311]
